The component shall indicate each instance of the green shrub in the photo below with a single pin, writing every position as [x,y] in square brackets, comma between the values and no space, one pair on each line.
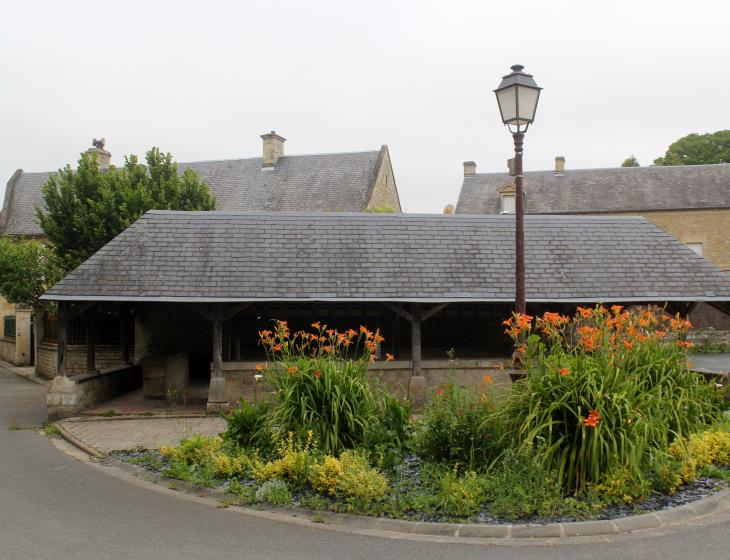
[249,426]
[459,494]
[456,428]
[321,385]
[274,491]
[348,476]
[295,462]
[603,389]
[701,450]
[619,486]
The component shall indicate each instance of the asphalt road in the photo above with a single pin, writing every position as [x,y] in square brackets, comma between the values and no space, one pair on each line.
[53,506]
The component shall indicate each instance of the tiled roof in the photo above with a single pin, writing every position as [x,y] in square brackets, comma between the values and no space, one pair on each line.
[228,256]
[632,189]
[307,183]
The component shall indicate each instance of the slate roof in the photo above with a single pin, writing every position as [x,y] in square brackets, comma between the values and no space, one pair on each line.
[308,183]
[228,256]
[632,189]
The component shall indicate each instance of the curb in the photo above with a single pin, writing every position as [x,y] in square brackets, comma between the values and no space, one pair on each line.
[137,417]
[73,440]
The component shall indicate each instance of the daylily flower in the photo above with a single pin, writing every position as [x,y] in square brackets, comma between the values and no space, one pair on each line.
[593,418]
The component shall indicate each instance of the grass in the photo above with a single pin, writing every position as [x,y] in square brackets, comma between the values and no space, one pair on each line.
[51,429]
[14,426]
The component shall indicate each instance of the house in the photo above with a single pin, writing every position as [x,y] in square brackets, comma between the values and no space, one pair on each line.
[690,202]
[337,182]
[194,288]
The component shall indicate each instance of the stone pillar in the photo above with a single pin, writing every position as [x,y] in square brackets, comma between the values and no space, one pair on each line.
[22,336]
[218,399]
[63,397]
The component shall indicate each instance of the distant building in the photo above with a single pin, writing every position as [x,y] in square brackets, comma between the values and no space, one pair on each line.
[691,203]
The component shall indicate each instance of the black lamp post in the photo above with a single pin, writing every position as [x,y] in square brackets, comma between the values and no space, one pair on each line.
[517,97]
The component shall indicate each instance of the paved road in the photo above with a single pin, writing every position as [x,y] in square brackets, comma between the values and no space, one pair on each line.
[52,506]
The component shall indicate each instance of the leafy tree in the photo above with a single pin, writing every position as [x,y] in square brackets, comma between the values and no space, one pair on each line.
[87,207]
[26,271]
[630,161]
[698,149]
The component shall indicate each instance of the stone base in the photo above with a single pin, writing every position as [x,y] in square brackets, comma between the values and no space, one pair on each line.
[218,398]
[417,391]
[63,398]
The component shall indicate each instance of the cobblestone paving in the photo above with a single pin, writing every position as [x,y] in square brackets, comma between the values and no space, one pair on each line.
[149,433]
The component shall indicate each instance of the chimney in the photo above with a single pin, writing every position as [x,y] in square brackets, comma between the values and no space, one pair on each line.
[449,209]
[103,158]
[511,167]
[560,165]
[273,148]
[470,169]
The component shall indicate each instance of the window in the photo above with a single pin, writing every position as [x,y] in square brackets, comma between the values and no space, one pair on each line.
[696,247]
[508,204]
[9,326]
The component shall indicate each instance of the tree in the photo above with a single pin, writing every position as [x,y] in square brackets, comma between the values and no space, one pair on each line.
[26,271]
[88,207]
[630,161]
[698,149]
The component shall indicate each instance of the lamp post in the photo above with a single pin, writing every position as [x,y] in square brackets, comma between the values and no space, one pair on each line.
[517,97]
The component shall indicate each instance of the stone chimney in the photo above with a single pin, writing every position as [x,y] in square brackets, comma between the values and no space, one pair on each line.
[560,165]
[103,158]
[470,169]
[449,209]
[273,148]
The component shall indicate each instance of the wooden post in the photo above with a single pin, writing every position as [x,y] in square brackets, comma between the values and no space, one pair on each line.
[123,332]
[61,338]
[416,344]
[217,348]
[90,342]
[237,341]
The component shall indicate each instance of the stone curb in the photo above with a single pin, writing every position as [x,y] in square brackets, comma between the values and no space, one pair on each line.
[703,507]
[137,417]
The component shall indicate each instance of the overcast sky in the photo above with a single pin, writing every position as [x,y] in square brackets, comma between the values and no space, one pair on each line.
[203,79]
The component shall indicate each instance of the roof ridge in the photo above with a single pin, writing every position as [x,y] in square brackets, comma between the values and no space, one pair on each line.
[621,169]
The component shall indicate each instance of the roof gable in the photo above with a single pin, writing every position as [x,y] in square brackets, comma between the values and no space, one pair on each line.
[398,257]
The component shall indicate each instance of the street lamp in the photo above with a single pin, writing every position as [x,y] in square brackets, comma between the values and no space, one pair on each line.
[517,97]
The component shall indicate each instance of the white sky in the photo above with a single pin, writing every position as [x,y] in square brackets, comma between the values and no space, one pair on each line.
[204,79]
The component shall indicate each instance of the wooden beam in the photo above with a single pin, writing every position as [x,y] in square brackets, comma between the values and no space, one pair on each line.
[124,320]
[203,311]
[416,343]
[61,338]
[431,312]
[77,309]
[235,310]
[398,310]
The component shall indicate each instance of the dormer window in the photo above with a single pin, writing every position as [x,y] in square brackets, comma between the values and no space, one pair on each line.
[507,199]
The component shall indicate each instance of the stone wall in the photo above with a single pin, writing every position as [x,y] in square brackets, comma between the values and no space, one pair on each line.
[46,360]
[385,193]
[395,375]
[7,349]
[709,337]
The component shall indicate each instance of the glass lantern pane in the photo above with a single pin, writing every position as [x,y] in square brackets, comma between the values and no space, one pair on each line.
[527,103]
[506,99]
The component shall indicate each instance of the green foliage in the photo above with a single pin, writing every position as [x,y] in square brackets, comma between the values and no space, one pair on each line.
[322,386]
[456,427]
[701,450]
[459,494]
[603,390]
[26,271]
[249,426]
[274,491]
[348,476]
[295,463]
[698,149]
[630,161]
[620,486]
[87,207]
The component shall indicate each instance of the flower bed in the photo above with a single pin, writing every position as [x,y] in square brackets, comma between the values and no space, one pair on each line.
[608,420]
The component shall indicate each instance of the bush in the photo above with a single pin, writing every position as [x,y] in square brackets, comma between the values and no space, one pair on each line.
[295,463]
[700,450]
[349,476]
[456,428]
[619,486]
[459,495]
[274,491]
[603,389]
[321,385]
[249,426]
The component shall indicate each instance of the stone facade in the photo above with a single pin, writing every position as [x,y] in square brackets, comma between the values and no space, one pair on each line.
[385,192]
[16,350]
[395,375]
[46,360]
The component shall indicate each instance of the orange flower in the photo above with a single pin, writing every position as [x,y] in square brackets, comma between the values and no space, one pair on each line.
[685,344]
[593,418]
[585,312]
[317,373]
[327,348]
[351,332]
[507,322]
[661,334]
[617,308]
[564,371]
[276,348]
[363,329]
[487,379]
[330,332]
[316,325]
[373,357]
[291,370]
[260,367]
[389,357]
[628,345]
[554,318]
